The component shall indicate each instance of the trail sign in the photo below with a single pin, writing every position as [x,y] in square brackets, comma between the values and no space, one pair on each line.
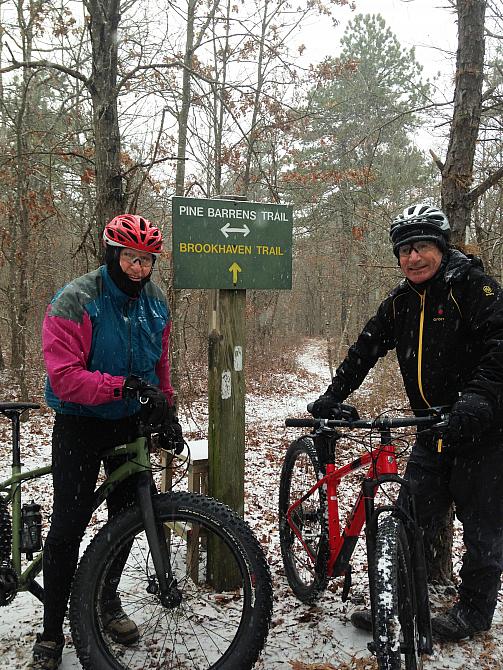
[231,244]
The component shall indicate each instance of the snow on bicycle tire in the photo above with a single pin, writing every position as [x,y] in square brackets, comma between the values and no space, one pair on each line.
[396,635]
[220,616]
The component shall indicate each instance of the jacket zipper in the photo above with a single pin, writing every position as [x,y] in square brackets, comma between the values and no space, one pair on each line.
[420,348]
[130,337]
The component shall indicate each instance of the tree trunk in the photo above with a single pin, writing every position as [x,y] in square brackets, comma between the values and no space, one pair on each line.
[457,172]
[457,180]
[175,296]
[104,20]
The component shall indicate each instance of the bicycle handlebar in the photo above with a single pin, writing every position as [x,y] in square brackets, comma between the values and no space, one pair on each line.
[379,423]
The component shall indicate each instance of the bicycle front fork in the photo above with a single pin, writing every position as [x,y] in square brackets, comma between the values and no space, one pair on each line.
[164,585]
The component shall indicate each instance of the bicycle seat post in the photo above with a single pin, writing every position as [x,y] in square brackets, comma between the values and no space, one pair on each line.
[14,415]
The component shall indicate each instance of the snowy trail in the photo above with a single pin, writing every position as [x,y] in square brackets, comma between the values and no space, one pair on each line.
[319,637]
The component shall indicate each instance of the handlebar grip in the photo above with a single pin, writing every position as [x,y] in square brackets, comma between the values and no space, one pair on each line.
[299,423]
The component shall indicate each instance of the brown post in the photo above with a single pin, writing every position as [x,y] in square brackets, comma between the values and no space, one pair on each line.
[226,412]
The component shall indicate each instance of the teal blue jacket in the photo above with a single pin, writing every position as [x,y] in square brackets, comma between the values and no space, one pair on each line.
[94,336]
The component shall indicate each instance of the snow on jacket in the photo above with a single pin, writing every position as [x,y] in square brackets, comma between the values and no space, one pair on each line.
[94,335]
[448,337]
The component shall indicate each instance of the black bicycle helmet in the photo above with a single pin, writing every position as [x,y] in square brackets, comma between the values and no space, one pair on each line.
[420,222]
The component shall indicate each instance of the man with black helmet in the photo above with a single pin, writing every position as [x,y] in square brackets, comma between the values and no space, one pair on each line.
[445,320]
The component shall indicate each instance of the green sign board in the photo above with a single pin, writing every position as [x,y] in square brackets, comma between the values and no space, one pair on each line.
[231,244]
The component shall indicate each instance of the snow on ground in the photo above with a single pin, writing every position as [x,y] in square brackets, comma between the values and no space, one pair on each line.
[318,637]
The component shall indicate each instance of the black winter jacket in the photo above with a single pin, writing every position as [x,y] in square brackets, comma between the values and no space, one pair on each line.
[448,337]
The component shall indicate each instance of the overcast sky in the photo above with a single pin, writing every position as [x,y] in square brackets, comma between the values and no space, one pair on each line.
[425,24]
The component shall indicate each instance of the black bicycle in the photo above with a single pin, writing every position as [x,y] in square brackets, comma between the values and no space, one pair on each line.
[189,571]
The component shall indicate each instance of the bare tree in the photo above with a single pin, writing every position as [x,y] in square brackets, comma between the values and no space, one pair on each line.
[458,191]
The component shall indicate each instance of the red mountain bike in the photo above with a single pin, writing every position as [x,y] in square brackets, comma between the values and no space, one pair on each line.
[314,549]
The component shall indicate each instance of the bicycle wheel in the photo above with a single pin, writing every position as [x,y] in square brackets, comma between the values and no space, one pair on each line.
[208,622]
[305,550]
[396,636]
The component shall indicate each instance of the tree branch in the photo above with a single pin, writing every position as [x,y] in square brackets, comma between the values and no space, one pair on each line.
[485,185]
[35,64]
[436,160]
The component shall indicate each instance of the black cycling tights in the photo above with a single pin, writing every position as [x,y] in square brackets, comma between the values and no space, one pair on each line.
[77,446]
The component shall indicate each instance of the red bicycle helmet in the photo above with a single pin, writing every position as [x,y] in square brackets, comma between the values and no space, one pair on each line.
[134,232]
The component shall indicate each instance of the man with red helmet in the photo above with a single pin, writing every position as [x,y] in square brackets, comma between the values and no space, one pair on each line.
[105,342]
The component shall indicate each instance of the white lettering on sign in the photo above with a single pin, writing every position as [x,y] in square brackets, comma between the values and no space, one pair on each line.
[238,358]
[232,213]
[227,213]
[274,216]
[226,390]
[191,211]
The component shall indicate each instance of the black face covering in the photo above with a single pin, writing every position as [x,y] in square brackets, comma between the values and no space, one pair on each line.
[119,277]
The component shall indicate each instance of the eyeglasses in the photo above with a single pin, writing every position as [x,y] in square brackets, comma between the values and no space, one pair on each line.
[418,247]
[130,256]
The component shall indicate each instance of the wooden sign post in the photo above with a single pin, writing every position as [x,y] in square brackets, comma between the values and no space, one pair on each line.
[229,244]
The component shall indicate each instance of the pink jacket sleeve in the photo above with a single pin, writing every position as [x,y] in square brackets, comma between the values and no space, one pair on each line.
[163,367]
[66,346]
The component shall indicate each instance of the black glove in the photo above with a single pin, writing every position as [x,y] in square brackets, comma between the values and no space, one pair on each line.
[171,437]
[470,416]
[323,407]
[328,407]
[154,409]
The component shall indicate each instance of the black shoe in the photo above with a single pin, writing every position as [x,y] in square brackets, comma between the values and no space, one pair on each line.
[457,623]
[118,625]
[362,619]
[46,654]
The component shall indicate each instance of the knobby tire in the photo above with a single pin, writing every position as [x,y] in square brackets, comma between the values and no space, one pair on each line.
[301,470]
[396,636]
[213,625]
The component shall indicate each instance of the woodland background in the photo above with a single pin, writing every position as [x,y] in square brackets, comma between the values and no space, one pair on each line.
[110,106]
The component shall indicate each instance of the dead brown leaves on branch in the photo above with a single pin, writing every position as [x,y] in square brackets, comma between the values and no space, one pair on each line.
[330,69]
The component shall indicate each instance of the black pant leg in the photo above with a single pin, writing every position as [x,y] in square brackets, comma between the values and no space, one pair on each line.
[477,486]
[75,471]
[78,443]
[428,475]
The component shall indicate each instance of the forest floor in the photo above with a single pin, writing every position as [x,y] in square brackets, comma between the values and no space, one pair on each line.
[317,637]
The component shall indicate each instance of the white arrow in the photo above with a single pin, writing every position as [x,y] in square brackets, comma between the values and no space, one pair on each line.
[227,229]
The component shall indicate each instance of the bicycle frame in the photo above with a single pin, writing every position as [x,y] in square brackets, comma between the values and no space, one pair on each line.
[10,490]
[382,468]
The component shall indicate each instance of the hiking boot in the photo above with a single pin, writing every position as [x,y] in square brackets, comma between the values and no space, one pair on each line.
[457,623]
[362,619]
[46,654]
[118,625]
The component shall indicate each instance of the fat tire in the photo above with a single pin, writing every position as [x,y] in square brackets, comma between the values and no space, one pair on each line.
[396,637]
[250,606]
[307,578]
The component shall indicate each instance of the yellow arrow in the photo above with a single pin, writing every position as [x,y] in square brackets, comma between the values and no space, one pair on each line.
[234,268]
